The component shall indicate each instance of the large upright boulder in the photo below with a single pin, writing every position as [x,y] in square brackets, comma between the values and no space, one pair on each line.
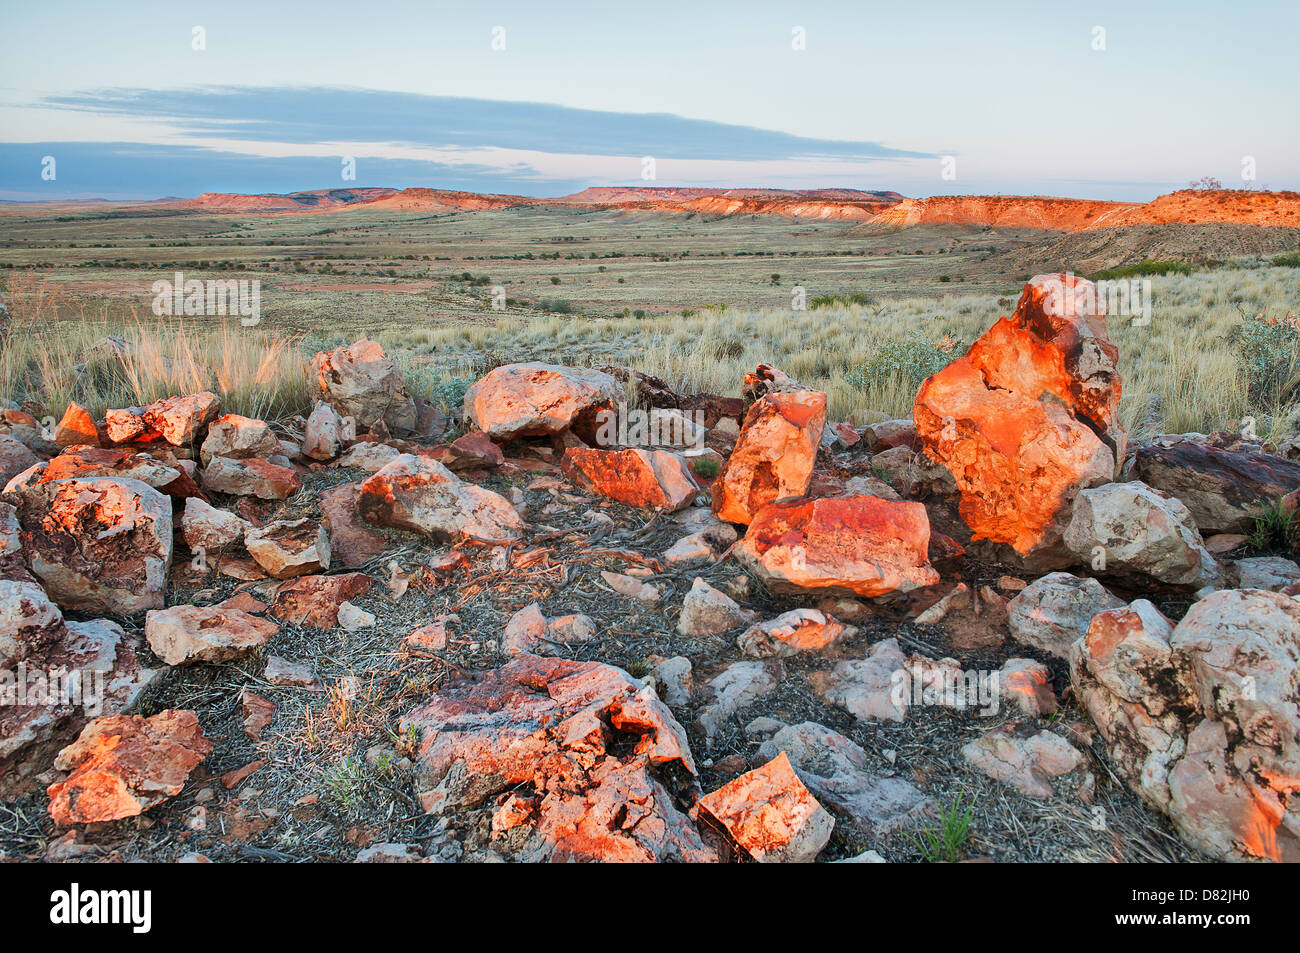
[531,399]
[419,494]
[359,382]
[99,544]
[858,544]
[774,455]
[1203,718]
[1027,418]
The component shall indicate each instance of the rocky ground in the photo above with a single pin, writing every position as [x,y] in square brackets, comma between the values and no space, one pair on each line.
[747,633]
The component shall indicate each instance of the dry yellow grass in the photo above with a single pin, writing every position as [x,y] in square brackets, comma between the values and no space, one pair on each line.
[1183,357]
[1183,361]
[50,360]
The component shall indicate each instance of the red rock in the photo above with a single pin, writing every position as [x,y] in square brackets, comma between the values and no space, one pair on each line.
[14,458]
[1027,418]
[857,544]
[467,452]
[124,464]
[323,436]
[233,779]
[125,425]
[774,456]
[77,428]
[184,634]
[770,814]
[422,495]
[766,379]
[181,420]
[288,548]
[208,529]
[634,476]
[532,399]
[258,712]
[799,630]
[352,542]
[605,756]
[252,477]
[238,438]
[122,765]
[98,544]
[315,600]
[888,434]
[1225,490]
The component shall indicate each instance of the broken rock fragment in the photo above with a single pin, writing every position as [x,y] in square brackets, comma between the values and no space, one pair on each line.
[99,544]
[770,814]
[187,633]
[422,495]
[634,476]
[122,765]
[288,548]
[860,544]
[603,756]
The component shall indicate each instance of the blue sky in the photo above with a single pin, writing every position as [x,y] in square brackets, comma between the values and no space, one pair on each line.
[1017,93]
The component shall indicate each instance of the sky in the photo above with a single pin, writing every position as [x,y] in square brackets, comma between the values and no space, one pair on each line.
[1090,99]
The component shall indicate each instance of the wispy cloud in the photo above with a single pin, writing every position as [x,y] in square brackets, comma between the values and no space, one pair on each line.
[323,114]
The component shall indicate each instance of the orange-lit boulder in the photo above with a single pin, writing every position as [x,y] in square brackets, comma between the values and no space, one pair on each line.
[77,428]
[774,455]
[634,476]
[1026,419]
[517,400]
[182,420]
[122,765]
[315,600]
[858,544]
[606,758]
[184,634]
[252,477]
[98,544]
[422,495]
[771,815]
[1201,718]
[238,438]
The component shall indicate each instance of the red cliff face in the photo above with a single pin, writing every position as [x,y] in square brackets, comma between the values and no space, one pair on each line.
[885,209]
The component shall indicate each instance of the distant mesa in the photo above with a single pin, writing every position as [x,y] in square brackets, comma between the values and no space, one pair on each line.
[874,210]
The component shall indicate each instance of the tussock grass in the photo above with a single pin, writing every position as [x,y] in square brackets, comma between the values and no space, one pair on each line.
[55,353]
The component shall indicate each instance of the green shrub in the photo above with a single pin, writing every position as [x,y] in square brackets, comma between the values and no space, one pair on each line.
[1269,352]
[1145,268]
[840,300]
[912,359]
